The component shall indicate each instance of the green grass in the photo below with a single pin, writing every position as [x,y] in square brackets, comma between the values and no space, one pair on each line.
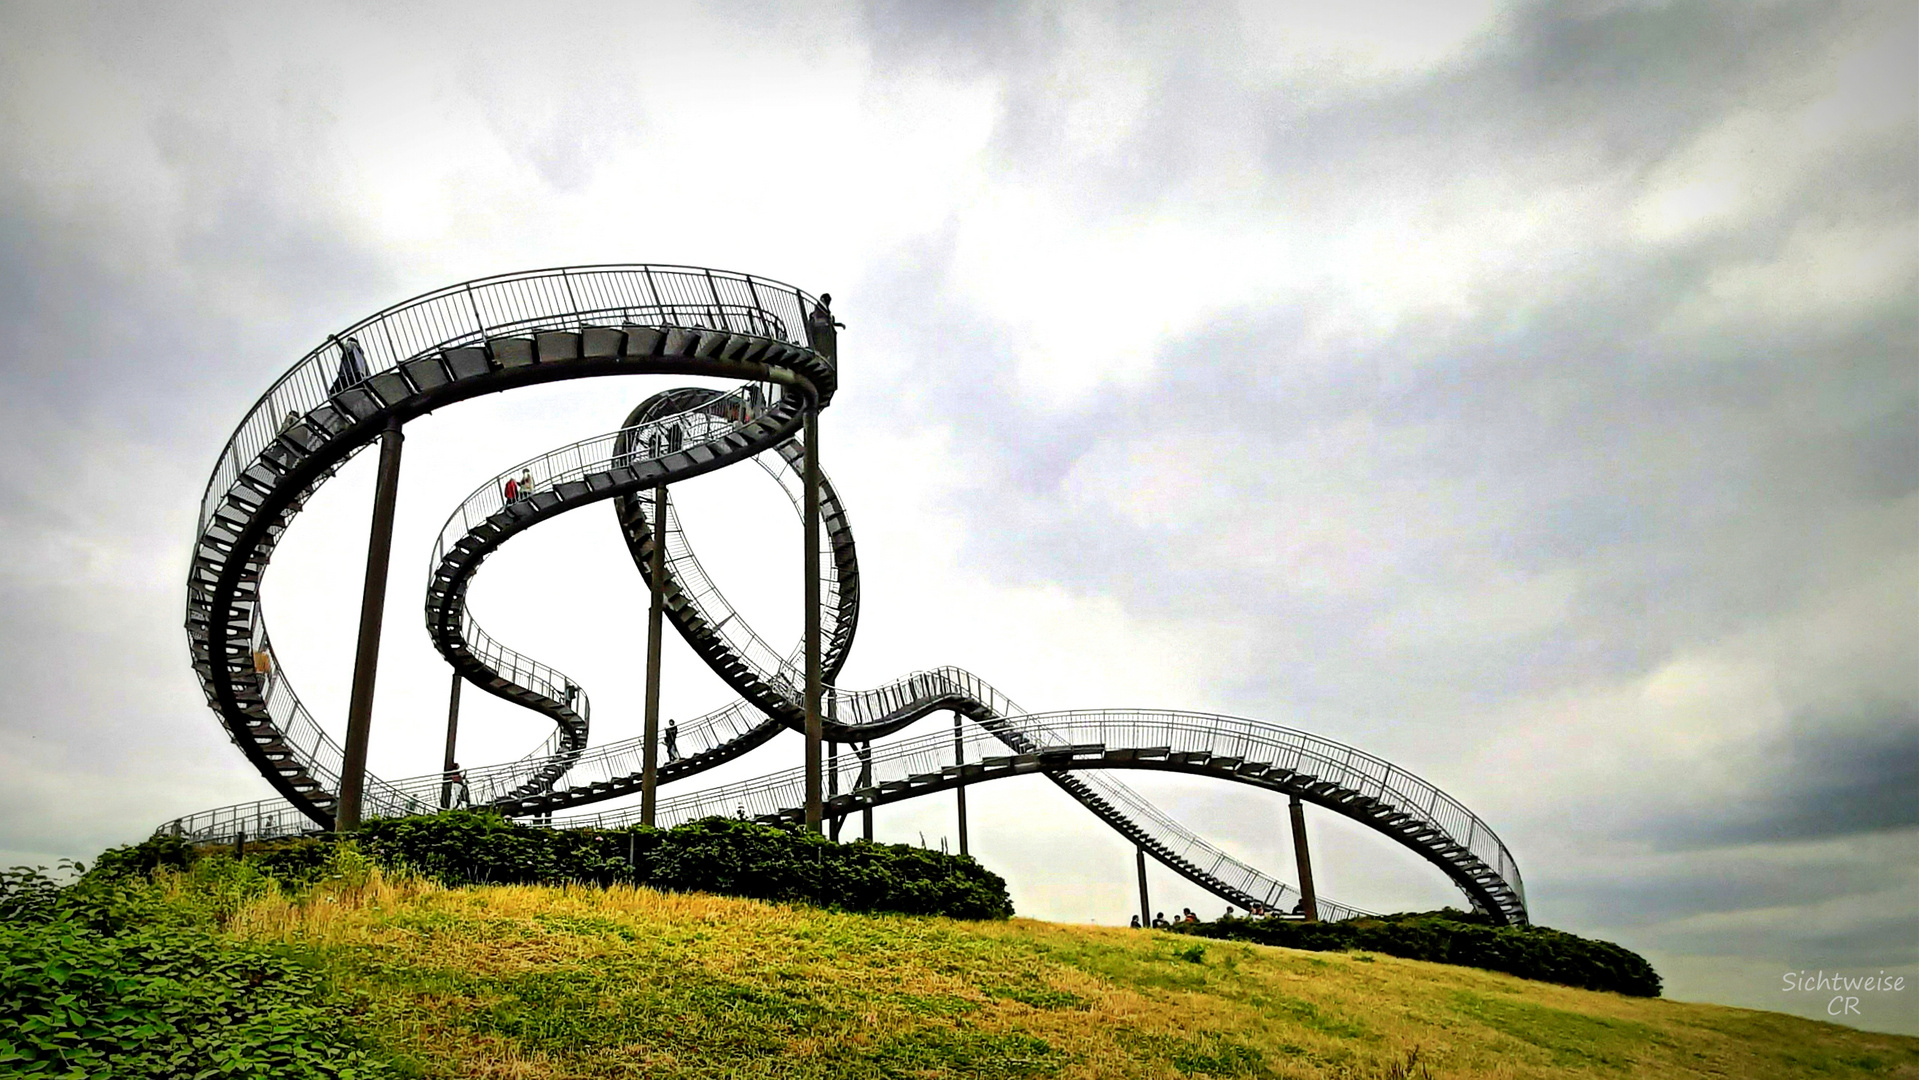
[537,982]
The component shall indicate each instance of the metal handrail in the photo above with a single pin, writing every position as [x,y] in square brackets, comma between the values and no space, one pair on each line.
[503,305]
[518,305]
[306,406]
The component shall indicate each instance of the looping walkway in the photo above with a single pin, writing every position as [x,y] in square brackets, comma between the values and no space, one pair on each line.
[521,329]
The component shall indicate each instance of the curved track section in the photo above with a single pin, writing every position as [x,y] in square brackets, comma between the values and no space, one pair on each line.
[456,343]
[522,329]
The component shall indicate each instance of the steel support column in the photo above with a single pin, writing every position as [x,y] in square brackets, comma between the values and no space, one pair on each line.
[866,781]
[650,754]
[1306,894]
[1145,906]
[366,661]
[810,509]
[452,743]
[833,784]
[959,758]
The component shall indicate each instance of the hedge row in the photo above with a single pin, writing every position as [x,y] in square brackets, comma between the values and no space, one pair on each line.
[1455,937]
[716,855]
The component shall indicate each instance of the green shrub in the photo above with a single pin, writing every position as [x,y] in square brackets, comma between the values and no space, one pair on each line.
[102,978]
[718,855]
[143,858]
[1457,937]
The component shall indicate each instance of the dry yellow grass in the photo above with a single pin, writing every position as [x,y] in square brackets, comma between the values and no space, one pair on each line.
[536,982]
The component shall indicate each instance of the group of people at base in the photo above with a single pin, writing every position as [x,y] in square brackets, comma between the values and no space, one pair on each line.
[1259,912]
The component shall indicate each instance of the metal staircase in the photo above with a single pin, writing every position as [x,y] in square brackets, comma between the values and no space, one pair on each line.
[521,329]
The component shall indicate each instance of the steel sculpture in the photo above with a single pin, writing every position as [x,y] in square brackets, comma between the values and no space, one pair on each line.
[776,342]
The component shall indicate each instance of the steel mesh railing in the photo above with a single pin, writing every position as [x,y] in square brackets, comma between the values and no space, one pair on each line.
[567,298]
[511,305]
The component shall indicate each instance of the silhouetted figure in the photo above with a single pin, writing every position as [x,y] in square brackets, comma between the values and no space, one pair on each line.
[1159,921]
[1135,924]
[352,365]
[1229,912]
[462,797]
[672,740]
[822,330]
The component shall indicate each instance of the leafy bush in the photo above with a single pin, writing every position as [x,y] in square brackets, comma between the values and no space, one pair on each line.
[718,855]
[1457,937]
[143,858]
[103,978]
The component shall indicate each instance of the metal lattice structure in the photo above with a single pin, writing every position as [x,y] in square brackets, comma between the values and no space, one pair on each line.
[521,329]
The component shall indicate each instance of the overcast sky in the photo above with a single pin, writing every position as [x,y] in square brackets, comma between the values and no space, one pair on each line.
[1525,393]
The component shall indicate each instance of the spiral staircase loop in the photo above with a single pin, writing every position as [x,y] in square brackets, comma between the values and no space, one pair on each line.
[515,330]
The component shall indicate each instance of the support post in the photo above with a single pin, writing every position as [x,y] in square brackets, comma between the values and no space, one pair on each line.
[833,784]
[866,781]
[810,509]
[1145,906]
[452,744]
[366,661]
[650,754]
[959,758]
[1305,859]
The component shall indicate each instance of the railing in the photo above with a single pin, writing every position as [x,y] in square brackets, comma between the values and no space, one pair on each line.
[784,671]
[607,452]
[568,298]
[1352,770]
[1178,732]
[531,479]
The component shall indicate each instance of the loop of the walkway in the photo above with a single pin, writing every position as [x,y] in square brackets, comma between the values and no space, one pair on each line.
[475,338]
[543,326]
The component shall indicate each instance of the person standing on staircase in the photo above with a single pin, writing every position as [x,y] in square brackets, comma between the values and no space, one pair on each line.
[462,797]
[672,740]
[822,330]
[352,365]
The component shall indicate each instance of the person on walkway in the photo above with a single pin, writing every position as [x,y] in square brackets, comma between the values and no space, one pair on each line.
[352,365]
[672,740]
[1159,921]
[512,490]
[462,797]
[526,483]
[822,330]
[1135,925]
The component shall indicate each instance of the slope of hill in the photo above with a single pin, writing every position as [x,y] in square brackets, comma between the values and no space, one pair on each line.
[536,982]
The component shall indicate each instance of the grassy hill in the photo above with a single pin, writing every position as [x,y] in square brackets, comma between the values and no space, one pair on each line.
[536,982]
